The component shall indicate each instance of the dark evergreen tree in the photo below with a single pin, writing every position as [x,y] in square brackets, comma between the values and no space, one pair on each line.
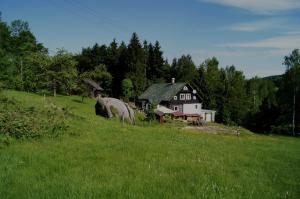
[91,57]
[112,63]
[184,69]
[150,62]
[158,64]
[137,67]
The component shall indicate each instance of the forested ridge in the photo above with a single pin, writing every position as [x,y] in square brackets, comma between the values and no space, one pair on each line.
[125,70]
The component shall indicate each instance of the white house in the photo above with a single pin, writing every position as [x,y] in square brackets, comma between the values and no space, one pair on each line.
[176,97]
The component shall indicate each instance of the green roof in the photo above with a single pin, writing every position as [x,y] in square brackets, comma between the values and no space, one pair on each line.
[161,92]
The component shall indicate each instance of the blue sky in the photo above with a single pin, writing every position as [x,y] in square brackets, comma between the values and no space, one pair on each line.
[253,35]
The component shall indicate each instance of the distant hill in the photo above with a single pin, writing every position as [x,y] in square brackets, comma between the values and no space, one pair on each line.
[276,79]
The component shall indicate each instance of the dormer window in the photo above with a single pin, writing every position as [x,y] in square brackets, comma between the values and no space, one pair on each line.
[182,96]
[185,88]
[175,98]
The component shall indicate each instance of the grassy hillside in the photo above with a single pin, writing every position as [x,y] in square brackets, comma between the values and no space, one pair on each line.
[98,158]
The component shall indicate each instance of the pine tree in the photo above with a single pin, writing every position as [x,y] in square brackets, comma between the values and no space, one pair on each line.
[184,69]
[112,63]
[150,63]
[137,67]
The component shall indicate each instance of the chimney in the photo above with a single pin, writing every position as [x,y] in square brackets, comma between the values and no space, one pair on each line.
[173,80]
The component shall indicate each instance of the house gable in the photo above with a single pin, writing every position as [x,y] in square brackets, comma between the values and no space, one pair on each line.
[187,95]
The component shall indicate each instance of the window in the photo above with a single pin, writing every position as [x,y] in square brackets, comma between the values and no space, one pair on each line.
[175,97]
[196,106]
[194,91]
[185,88]
[182,96]
[175,108]
[194,97]
[188,96]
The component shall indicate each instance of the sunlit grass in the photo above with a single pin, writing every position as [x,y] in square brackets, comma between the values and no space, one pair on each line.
[105,159]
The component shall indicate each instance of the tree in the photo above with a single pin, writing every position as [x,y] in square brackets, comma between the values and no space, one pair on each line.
[155,63]
[258,91]
[137,67]
[4,36]
[91,57]
[22,39]
[289,90]
[35,67]
[146,52]
[17,44]
[114,68]
[101,76]
[127,89]
[19,26]
[62,72]
[121,69]
[233,101]
[184,69]
[209,81]
[222,90]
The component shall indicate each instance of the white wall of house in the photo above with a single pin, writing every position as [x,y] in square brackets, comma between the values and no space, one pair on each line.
[192,108]
[208,115]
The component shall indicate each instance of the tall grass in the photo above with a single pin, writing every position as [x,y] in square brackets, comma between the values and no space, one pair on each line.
[103,159]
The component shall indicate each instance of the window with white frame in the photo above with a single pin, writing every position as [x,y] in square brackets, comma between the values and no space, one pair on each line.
[188,96]
[194,97]
[182,96]
[175,97]
[185,88]
[175,108]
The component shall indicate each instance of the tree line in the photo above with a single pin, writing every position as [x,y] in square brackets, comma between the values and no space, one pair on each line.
[264,105]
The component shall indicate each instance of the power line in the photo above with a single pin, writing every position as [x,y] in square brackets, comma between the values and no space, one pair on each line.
[83,16]
[96,14]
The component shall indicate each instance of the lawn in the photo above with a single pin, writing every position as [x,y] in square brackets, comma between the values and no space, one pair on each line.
[99,158]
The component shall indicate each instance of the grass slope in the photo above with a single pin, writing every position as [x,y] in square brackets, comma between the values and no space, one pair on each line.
[102,159]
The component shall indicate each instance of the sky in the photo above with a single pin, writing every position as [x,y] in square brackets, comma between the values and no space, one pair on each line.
[253,35]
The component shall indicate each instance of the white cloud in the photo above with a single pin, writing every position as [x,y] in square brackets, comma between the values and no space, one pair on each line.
[216,53]
[294,32]
[258,25]
[286,42]
[260,6]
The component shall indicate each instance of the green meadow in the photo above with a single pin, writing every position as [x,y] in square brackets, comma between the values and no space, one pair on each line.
[100,158]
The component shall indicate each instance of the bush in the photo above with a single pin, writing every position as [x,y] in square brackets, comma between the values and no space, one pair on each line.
[151,114]
[1,86]
[139,116]
[19,121]
[284,129]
